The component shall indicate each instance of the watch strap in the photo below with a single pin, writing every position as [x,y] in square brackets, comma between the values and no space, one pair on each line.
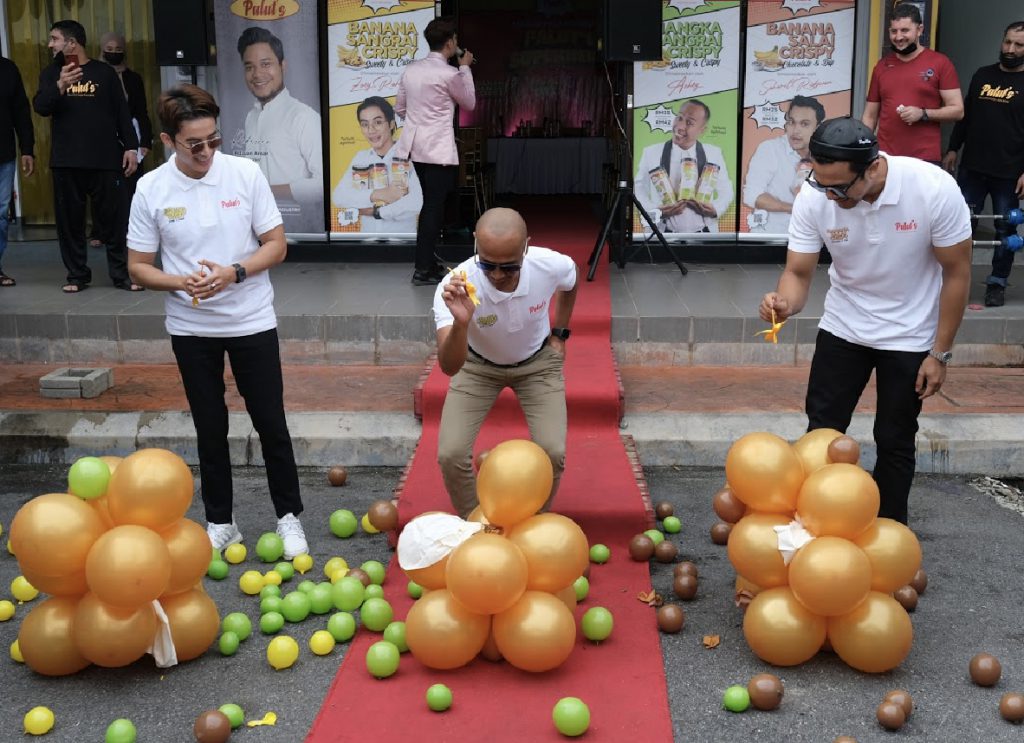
[561,333]
[239,272]
[943,357]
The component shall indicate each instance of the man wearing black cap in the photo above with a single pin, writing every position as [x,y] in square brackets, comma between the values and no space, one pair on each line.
[899,233]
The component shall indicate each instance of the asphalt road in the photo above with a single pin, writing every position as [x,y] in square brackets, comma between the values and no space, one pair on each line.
[972,551]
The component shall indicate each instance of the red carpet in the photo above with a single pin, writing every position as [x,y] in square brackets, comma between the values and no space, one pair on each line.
[621,680]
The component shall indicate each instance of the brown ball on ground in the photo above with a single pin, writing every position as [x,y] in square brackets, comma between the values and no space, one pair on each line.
[985,669]
[361,574]
[727,506]
[665,551]
[664,509]
[720,532]
[586,570]
[337,476]
[1011,706]
[383,515]
[902,698]
[843,449]
[907,597]
[641,548]
[212,726]
[685,587]
[890,715]
[765,691]
[684,568]
[919,582]
[671,618]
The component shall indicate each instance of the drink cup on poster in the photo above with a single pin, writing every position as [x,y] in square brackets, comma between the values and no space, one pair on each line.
[361,178]
[662,185]
[708,182]
[400,173]
[688,179]
[380,176]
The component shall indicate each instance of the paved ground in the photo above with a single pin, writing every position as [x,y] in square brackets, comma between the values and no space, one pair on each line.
[971,546]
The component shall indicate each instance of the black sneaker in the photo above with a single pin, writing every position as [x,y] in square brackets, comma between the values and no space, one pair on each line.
[425,278]
[994,295]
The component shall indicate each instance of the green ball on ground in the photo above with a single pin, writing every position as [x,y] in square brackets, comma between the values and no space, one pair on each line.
[343,523]
[395,633]
[306,586]
[414,589]
[382,659]
[373,591]
[571,716]
[342,626]
[600,554]
[348,593]
[736,698]
[295,606]
[269,604]
[321,599]
[234,714]
[285,569]
[271,622]
[121,730]
[270,547]
[597,624]
[439,698]
[375,570]
[582,588]
[672,524]
[376,614]
[218,570]
[270,590]
[655,536]
[228,644]
[238,623]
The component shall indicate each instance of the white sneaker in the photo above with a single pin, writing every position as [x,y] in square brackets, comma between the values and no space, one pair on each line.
[289,528]
[223,535]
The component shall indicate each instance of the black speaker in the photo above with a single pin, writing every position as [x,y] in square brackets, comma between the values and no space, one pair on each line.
[632,30]
[184,32]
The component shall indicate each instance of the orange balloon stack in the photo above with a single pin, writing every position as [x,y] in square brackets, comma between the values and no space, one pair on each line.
[105,561]
[837,586]
[505,592]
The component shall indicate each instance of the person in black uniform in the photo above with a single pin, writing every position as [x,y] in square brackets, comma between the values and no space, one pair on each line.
[15,118]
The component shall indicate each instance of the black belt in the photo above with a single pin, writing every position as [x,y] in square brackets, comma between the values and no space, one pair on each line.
[527,360]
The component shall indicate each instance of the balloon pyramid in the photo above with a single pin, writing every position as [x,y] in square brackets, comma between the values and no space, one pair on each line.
[831,572]
[112,554]
[506,589]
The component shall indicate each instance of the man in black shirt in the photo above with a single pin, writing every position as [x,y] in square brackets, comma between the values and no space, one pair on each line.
[15,118]
[93,150]
[992,136]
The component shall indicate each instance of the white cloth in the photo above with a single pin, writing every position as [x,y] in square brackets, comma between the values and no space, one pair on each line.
[398,216]
[508,327]
[283,136]
[217,217]
[885,278]
[689,220]
[772,170]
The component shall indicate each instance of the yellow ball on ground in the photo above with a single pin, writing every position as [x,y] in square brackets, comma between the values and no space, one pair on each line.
[235,553]
[303,563]
[367,526]
[322,642]
[251,582]
[338,574]
[333,565]
[38,721]
[22,590]
[9,550]
[6,610]
[272,578]
[282,652]
[16,655]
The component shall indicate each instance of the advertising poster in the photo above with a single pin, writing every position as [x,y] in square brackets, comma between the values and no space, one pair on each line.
[799,71]
[269,82]
[684,125]
[369,44]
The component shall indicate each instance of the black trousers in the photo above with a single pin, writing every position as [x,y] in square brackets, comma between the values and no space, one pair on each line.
[256,365]
[105,233]
[839,372]
[436,181]
[71,188]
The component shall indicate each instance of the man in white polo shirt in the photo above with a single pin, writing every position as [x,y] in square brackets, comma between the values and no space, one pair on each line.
[213,220]
[506,341]
[899,233]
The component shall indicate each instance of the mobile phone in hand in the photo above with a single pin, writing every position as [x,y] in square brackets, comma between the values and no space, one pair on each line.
[71,59]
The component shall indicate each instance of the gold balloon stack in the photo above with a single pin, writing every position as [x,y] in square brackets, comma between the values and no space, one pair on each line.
[105,561]
[506,592]
[838,586]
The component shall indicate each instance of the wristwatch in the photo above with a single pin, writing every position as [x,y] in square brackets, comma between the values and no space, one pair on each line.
[943,357]
[239,272]
[924,114]
[376,211]
[561,333]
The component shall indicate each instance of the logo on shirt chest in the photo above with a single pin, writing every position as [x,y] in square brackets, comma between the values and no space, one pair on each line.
[174,213]
[910,226]
[996,92]
[538,307]
[486,321]
[839,235]
[230,204]
[927,75]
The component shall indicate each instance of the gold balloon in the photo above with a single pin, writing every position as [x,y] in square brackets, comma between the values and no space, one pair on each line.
[875,637]
[65,585]
[514,482]
[568,597]
[113,637]
[764,472]
[556,550]
[894,553]
[129,566]
[744,584]
[52,534]
[442,633]
[838,500]
[45,638]
[537,634]
[189,548]
[151,488]
[830,576]
[754,549]
[780,630]
[432,576]
[194,622]
[490,650]
[477,515]
[486,573]
[112,461]
[102,507]
[812,448]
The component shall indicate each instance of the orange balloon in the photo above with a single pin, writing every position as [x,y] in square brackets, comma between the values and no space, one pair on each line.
[764,472]
[189,548]
[514,482]
[838,500]
[194,622]
[112,461]
[894,553]
[830,576]
[112,637]
[875,637]
[490,650]
[568,597]
[812,448]
[780,630]
[65,585]
[129,566]
[477,515]
[537,634]
[744,584]
[556,550]
[432,576]
[52,534]
[442,633]
[45,638]
[754,549]
[102,508]
[486,573]
[151,488]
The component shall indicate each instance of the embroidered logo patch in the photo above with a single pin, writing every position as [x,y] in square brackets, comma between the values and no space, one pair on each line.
[839,235]
[927,75]
[174,213]
[538,307]
[486,321]
[910,226]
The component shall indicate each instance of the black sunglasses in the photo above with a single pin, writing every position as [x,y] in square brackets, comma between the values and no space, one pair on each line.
[840,191]
[489,267]
[197,149]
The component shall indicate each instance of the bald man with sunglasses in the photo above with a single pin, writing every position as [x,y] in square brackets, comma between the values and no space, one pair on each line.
[506,341]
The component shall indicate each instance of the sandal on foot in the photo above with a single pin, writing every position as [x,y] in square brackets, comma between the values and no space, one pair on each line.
[130,287]
[6,280]
[74,288]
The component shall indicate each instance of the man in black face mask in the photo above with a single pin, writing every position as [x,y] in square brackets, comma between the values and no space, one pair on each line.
[912,90]
[992,136]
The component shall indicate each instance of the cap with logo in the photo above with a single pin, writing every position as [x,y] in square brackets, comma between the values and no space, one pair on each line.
[844,139]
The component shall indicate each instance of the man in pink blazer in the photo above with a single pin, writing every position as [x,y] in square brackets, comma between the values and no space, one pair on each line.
[428,92]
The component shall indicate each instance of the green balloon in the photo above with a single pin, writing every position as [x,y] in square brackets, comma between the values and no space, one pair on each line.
[415,589]
[269,604]
[582,587]
[343,523]
[295,606]
[269,547]
[271,623]
[306,586]
[375,570]
[88,478]
[228,643]
[672,524]
[238,623]
[736,698]
[600,553]
[342,626]
[285,569]
[321,599]
[215,554]
[382,659]
[373,591]
[395,634]
[597,623]
[348,593]
[234,714]
[655,535]
[218,570]
[571,716]
[121,730]
[270,590]
[439,697]
[376,614]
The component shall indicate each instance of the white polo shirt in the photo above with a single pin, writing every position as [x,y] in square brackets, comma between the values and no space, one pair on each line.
[216,217]
[885,278]
[509,327]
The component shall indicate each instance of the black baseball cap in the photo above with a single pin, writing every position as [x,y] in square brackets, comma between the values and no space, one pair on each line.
[844,139]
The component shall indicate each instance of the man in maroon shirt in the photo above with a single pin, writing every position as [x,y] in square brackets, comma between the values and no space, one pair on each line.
[912,90]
